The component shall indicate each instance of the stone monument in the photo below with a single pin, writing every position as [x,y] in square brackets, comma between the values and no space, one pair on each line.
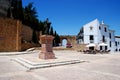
[46,43]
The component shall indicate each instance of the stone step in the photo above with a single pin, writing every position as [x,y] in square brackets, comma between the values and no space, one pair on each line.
[31,65]
[22,63]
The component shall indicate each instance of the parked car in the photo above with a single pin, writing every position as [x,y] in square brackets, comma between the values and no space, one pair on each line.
[68,46]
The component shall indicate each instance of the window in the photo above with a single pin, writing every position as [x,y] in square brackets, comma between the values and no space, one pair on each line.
[105,47]
[91,38]
[103,39]
[110,35]
[100,47]
[105,29]
[99,28]
[110,43]
[116,43]
[91,28]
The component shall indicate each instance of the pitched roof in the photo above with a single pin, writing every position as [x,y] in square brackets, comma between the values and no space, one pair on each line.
[95,21]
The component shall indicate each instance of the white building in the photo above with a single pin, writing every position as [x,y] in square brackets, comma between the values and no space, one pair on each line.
[117,43]
[98,35]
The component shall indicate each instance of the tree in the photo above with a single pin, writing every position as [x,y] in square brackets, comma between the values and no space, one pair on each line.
[30,19]
[41,26]
[34,37]
[30,16]
[56,40]
[30,11]
[17,10]
[55,33]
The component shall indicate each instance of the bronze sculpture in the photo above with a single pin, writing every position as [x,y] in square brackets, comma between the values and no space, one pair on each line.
[47,26]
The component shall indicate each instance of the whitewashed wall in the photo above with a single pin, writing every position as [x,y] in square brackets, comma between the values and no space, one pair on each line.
[118,44]
[88,32]
[98,34]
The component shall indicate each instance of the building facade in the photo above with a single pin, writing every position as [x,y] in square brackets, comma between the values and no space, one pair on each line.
[117,43]
[99,36]
[14,36]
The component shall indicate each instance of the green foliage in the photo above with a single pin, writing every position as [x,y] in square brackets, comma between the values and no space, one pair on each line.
[34,37]
[56,39]
[16,9]
[28,16]
[30,12]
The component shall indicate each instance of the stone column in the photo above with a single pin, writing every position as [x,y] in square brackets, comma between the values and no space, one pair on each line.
[46,47]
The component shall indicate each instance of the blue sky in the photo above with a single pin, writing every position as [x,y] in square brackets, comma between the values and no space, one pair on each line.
[67,16]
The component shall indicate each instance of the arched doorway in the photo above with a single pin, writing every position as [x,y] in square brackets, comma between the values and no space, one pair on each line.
[64,42]
[68,40]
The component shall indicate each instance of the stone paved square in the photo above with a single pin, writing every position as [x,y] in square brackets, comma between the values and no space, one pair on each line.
[96,67]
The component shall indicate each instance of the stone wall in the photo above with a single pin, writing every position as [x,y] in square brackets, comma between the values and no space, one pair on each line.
[26,33]
[70,39]
[14,36]
[10,36]
[25,46]
[80,47]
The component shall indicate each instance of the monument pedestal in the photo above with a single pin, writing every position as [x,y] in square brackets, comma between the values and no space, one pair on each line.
[46,47]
